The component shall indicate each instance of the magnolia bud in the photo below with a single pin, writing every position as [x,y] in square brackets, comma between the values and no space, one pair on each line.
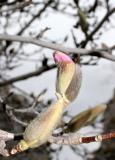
[84,118]
[41,128]
[68,77]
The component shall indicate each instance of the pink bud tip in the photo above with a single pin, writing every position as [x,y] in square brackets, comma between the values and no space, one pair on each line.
[61,57]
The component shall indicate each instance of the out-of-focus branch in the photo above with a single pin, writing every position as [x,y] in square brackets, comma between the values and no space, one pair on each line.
[90,36]
[14,118]
[101,54]
[93,7]
[6,136]
[42,43]
[83,52]
[31,109]
[10,111]
[17,6]
[36,16]
[7,3]
[28,75]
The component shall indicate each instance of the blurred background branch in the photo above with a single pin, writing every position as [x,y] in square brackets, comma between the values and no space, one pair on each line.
[28,29]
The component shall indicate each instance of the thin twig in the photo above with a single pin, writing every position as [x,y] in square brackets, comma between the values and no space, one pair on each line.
[9,112]
[36,16]
[107,15]
[17,6]
[31,109]
[14,118]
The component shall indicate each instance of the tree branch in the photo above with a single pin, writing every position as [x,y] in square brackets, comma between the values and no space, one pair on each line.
[89,37]
[59,47]
[36,16]
[28,75]
[75,139]
[69,139]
